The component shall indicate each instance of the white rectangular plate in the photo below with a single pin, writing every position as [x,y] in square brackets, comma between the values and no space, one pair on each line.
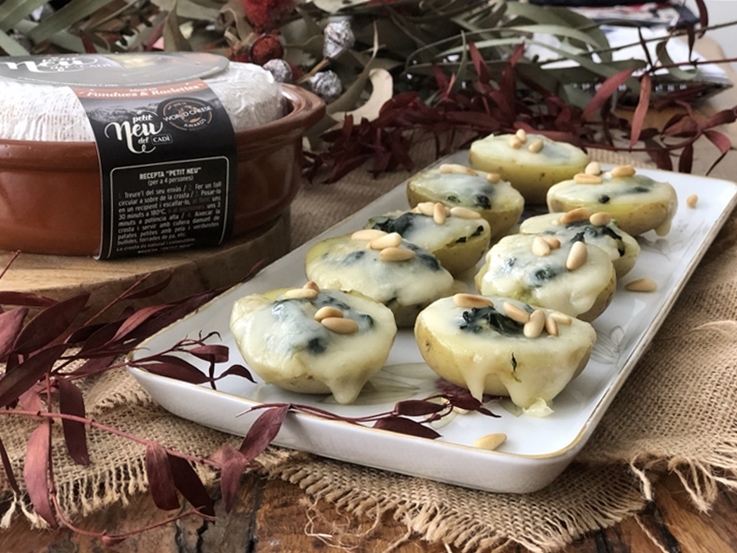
[537,449]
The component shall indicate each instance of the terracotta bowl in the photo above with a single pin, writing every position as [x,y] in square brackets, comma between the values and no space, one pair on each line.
[50,191]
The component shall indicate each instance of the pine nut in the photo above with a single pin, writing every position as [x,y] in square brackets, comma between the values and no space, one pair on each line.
[396,254]
[438,214]
[593,168]
[552,241]
[426,208]
[387,241]
[300,294]
[692,200]
[578,214]
[534,327]
[600,219]
[340,325]
[490,441]
[367,234]
[311,285]
[577,256]
[464,213]
[447,168]
[622,171]
[521,134]
[493,178]
[515,142]
[561,318]
[540,247]
[328,311]
[536,146]
[583,178]
[471,300]
[641,285]
[551,326]
[516,313]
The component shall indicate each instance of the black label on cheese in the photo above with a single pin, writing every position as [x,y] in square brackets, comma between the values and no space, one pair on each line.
[169,167]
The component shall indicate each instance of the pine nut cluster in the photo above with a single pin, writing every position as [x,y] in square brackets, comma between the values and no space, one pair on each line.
[330,317]
[592,173]
[519,139]
[389,245]
[440,212]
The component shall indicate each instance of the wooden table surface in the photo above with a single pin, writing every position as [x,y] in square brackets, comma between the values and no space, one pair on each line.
[274,516]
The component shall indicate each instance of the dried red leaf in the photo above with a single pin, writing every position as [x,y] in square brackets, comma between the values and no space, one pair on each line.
[8,469]
[14,382]
[147,292]
[211,353]
[89,46]
[703,15]
[36,469]
[49,324]
[685,161]
[190,485]
[417,407]
[71,402]
[238,370]
[719,140]
[137,319]
[263,431]
[176,368]
[232,465]
[160,477]
[102,337]
[25,299]
[406,426]
[479,64]
[168,316]
[112,540]
[724,117]
[96,365]
[605,92]
[638,118]
[11,323]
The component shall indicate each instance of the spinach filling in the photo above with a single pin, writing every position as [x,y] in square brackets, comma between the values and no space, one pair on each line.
[590,232]
[482,319]
[402,224]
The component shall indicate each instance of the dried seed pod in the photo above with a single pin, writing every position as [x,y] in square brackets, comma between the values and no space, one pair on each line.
[391,240]
[493,178]
[367,234]
[521,134]
[470,301]
[540,247]
[621,171]
[577,256]
[534,327]
[536,146]
[340,325]
[641,285]
[464,213]
[593,168]
[396,254]
[600,219]
[515,313]
[300,294]
[438,214]
[515,142]
[561,318]
[551,326]
[490,441]
[552,241]
[583,178]
[692,200]
[328,311]
[578,214]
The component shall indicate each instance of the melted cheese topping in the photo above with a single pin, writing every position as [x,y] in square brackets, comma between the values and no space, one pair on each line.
[553,154]
[625,198]
[512,270]
[284,344]
[473,192]
[350,265]
[609,238]
[41,112]
[491,359]
[425,232]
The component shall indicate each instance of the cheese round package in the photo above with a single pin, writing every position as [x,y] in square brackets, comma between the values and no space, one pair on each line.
[532,163]
[314,342]
[636,202]
[576,278]
[382,267]
[501,346]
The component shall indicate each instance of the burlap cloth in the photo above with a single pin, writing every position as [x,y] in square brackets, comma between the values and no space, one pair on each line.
[677,412]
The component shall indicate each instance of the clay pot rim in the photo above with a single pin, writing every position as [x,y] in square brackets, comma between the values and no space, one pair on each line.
[306,110]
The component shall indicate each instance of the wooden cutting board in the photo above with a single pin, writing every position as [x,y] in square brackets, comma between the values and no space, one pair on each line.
[192,271]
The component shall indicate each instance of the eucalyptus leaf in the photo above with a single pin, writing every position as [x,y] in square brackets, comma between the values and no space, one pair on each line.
[63,39]
[66,17]
[661,50]
[12,11]
[10,46]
